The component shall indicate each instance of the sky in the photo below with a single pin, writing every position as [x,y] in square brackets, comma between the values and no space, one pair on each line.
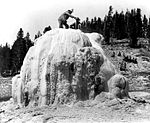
[34,15]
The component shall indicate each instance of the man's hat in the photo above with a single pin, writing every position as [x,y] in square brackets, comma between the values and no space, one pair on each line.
[70,10]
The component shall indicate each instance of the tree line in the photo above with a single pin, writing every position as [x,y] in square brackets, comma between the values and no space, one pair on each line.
[11,57]
[130,24]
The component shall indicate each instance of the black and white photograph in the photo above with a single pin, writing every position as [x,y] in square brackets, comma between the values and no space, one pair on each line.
[74,61]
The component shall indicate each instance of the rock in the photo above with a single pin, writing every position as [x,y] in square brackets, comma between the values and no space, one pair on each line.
[5,87]
[118,86]
[17,90]
[61,68]
[107,69]
[102,97]
[96,39]
[143,82]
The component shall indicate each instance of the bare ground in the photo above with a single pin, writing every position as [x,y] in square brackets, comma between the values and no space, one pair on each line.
[98,110]
[102,109]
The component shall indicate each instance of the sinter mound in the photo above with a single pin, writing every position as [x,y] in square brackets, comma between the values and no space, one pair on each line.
[65,66]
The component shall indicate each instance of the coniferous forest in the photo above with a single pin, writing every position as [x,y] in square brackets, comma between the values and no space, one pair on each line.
[130,25]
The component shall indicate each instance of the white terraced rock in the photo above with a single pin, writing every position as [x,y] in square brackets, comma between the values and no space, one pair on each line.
[63,66]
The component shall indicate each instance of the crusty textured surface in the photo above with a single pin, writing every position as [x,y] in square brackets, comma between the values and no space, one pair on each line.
[61,68]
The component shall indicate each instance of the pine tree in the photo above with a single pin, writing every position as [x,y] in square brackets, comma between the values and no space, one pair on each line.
[1,59]
[121,24]
[99,26]
[94,25]
[108,25]
[35,37]
[18,52]
[138,22]
[132,28]
[28,41]
[115,25]
[6,61]
[127,23]
[145,26]
[87,25]
[20,34]
[39,34]
[148,29]
[91,28]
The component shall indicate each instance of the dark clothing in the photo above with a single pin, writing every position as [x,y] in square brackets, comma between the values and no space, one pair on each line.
[61,23]
[63,19]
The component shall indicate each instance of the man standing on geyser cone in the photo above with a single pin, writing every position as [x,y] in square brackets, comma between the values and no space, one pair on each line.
[63,18]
